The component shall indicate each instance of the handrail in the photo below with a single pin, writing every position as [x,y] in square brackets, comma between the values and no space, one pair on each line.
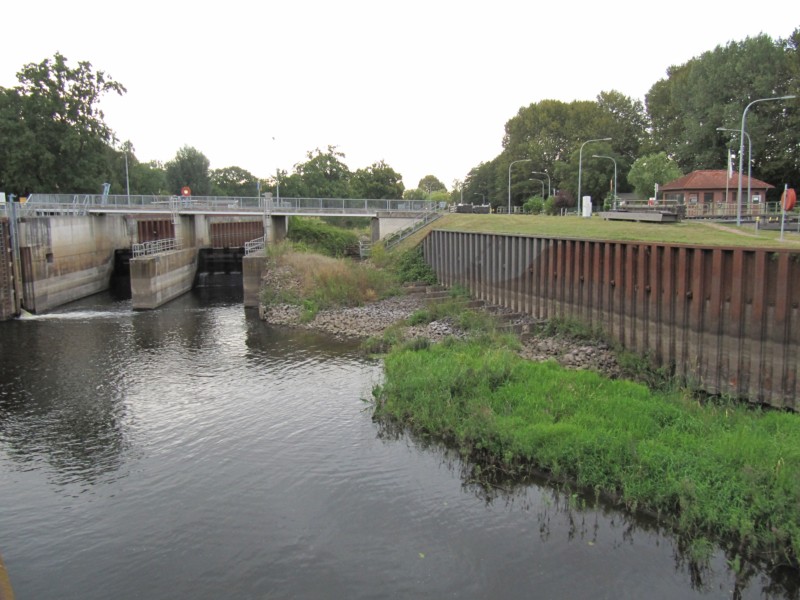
[155,247]
[79,204]
[256,245]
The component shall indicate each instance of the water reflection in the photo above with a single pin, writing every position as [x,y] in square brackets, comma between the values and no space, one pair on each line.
[194,452]
[582,517]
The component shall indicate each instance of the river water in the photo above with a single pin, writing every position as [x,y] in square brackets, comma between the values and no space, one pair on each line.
[194,452]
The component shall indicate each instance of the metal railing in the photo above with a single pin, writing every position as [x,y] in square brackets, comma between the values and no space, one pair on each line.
[81,204]
[394,239]
[255,246]
[155,247]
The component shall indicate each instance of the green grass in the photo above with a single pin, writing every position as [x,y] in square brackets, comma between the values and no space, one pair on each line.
[686,232]
[720,470]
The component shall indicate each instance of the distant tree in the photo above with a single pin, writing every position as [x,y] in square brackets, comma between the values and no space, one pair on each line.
[429,184]
[414,194]
[233,181]
[323,175]
[148,178]
[189,168]
[54,138]
[650,170]
[712,91]
[378,180]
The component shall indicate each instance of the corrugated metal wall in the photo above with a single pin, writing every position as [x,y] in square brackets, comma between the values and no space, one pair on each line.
[726,320]
[234,234]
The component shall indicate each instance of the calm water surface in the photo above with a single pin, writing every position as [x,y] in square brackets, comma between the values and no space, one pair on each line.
[194,452]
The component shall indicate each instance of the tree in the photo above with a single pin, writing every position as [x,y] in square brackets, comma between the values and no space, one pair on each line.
[53,132]
[378,181]
[430,184]
[189,168]
[711,91]
[323,175]
[650,170]
[234,181]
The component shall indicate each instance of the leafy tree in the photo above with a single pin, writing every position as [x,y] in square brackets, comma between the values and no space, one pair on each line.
[148,178]
[430,184]
[414,194]
[650,170]
[378,181]
[189,168]
[323,175]
[53,132]
[712,90]
[234,181]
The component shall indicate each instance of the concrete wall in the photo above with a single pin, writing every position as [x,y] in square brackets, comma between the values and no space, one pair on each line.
[252,271]
[67,258]
[159,278]
[724,320]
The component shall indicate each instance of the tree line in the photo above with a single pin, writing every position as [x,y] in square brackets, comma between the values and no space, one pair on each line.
[675,131]
[55,139]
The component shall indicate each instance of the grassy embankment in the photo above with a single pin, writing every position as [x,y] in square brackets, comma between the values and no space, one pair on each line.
[685,232]
[715,470]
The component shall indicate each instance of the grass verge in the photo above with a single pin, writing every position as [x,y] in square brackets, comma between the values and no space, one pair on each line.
[717,470]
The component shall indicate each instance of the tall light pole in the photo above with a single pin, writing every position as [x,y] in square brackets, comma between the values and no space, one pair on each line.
[513,162]
[580,164]
[540,181]
[749,159]
[611,158]
[741,151]
[548,180]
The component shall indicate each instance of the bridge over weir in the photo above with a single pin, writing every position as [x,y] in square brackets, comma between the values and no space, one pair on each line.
[62,247]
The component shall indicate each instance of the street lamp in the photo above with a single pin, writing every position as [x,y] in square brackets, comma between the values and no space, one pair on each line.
[611,158]
[548,180]
[580,164]
[749,159]
[513,162]
[741,152]
[540,181]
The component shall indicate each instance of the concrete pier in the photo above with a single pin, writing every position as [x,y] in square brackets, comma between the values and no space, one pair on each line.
[159,278]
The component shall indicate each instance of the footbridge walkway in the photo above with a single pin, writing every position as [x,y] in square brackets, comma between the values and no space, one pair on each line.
[86,204]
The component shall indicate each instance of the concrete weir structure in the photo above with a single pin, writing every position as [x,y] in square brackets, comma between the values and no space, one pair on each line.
[63,258]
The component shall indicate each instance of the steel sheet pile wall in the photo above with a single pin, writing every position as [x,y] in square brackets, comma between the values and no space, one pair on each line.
[8,306]
[725,320]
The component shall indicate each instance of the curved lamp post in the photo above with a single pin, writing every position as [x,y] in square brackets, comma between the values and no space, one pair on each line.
[548,180]
[513,162]
[483,196]
[611,158]
[540,181]
[741,152]
[580,164]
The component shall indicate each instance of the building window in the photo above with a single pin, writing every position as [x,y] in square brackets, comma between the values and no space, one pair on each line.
[708,197]
[756,198]
[692,198]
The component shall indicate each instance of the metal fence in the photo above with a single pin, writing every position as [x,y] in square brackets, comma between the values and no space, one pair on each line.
[79,204]
[155,247]
[255,246]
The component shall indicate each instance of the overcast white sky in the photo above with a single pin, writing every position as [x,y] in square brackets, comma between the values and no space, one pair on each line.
[426,85]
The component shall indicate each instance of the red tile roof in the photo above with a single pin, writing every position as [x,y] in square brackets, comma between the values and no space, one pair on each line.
[712,180]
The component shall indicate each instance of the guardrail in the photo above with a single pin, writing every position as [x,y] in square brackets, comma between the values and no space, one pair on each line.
[394,239]
[155,247]
[256,245]
[81,204]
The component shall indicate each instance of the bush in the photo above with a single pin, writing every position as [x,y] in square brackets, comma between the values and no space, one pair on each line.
[322,237]
[534,206]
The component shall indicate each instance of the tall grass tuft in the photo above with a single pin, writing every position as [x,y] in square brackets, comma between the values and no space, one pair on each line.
[318,282]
